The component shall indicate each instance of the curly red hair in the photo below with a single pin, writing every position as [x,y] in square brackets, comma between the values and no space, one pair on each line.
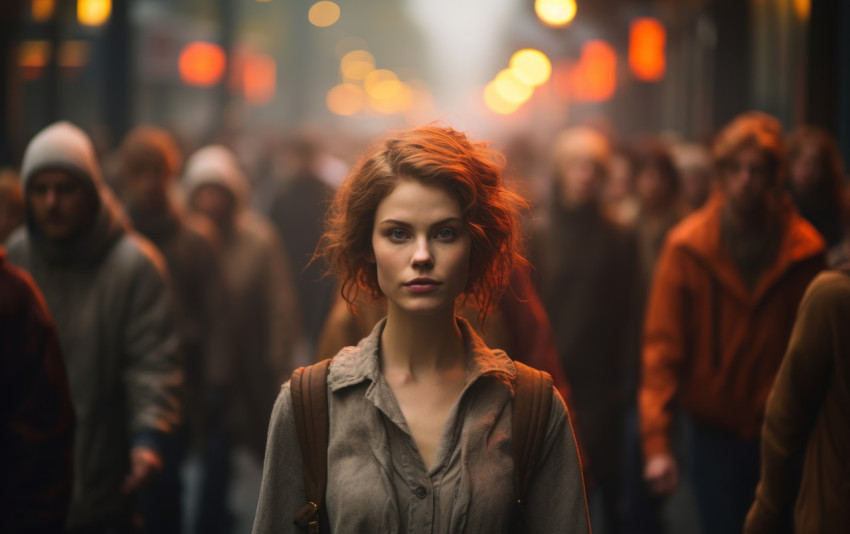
[437,156]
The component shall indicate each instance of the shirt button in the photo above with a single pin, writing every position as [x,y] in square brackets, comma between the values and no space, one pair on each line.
[421,492]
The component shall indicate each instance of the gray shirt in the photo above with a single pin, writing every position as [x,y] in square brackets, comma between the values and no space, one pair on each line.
[377,480]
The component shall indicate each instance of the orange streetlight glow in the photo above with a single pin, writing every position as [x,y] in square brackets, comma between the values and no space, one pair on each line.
[32,57]
[93,12]
[259,79]
[647,39]
[323,14]
[42,10]
[202,64]
[556,13]
[594,79]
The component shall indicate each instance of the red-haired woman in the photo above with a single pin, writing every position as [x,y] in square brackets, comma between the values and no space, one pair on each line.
[420,411]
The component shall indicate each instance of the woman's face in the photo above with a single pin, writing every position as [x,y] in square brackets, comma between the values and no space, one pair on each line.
[421,248]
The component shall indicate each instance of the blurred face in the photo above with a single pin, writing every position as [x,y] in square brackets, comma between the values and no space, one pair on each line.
[652,189]
[216,202]
[61,205]
[806,169]
[619,179]
[581,182]
[695,187]
[748,181]
[146,183]
[421,248]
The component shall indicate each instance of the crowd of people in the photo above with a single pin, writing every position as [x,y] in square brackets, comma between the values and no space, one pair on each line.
[686,300]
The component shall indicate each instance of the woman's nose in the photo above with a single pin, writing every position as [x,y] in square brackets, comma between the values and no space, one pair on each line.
[422,254]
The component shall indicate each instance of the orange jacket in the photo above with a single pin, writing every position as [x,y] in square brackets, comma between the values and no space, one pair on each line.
[711,343]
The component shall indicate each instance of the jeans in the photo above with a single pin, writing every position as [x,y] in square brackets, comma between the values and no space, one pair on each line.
[725,472]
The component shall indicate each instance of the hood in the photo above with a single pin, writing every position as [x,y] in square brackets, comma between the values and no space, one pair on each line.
[216,164]
[63,146]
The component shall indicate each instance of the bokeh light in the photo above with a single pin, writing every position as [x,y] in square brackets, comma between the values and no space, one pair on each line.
[594,78]
[74,54]
[346,99]
[259,82]
[323,14]
[511,88]
[373,80]
[391,96]
[493,99]
[93,12]
[357,64]
[803,8]
[647,39]
[42,10]
[32,57]
[556,13]
[531,66]
[202,64]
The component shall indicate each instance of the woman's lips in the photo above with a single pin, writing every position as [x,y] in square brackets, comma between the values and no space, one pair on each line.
[422,285]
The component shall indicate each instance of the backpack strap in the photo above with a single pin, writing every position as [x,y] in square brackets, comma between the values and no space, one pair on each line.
[531,406]
[309,389]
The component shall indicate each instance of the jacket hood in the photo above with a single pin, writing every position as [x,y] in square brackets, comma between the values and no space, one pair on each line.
[216,164]
[63,146]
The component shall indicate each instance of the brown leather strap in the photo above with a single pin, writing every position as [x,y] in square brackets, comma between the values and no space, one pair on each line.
[532,403]
[309,389]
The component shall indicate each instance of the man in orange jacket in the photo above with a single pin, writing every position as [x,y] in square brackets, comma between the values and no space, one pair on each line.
[723,302]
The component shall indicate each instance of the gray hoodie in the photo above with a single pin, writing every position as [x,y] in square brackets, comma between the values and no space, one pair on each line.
[107,291]
[263,313]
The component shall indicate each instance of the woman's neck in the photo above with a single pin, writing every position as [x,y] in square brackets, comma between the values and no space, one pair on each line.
[419,345]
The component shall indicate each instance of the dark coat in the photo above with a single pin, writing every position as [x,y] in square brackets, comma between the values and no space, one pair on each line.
[807,421]
[36,417]
[588,275]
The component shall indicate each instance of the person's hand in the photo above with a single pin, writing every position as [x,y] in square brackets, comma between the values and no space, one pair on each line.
[661,474]
[145,464]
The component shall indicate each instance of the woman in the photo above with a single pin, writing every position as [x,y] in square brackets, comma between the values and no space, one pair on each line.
[420,410]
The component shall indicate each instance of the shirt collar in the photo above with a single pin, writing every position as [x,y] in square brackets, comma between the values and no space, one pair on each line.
[353,365]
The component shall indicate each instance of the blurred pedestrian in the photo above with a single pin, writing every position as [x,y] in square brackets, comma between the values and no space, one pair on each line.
[816,180]
[696,171]
[298,210]
[420,411]
[11,203]
[657,188]
[106,288]
[36,416]
[805,481]
[588,270]
[149,163]
[723,301]
[262,314]
[619,196]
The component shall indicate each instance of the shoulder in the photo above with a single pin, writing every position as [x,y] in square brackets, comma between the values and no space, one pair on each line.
[829,291]
[136,256]
[259,231]
[804,240]
[18,245]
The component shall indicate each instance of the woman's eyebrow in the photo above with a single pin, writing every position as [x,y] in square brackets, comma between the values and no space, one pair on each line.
[395,222]
[447,220]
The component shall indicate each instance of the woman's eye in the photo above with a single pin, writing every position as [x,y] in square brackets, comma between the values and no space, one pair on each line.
[446,233]
[397,234]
